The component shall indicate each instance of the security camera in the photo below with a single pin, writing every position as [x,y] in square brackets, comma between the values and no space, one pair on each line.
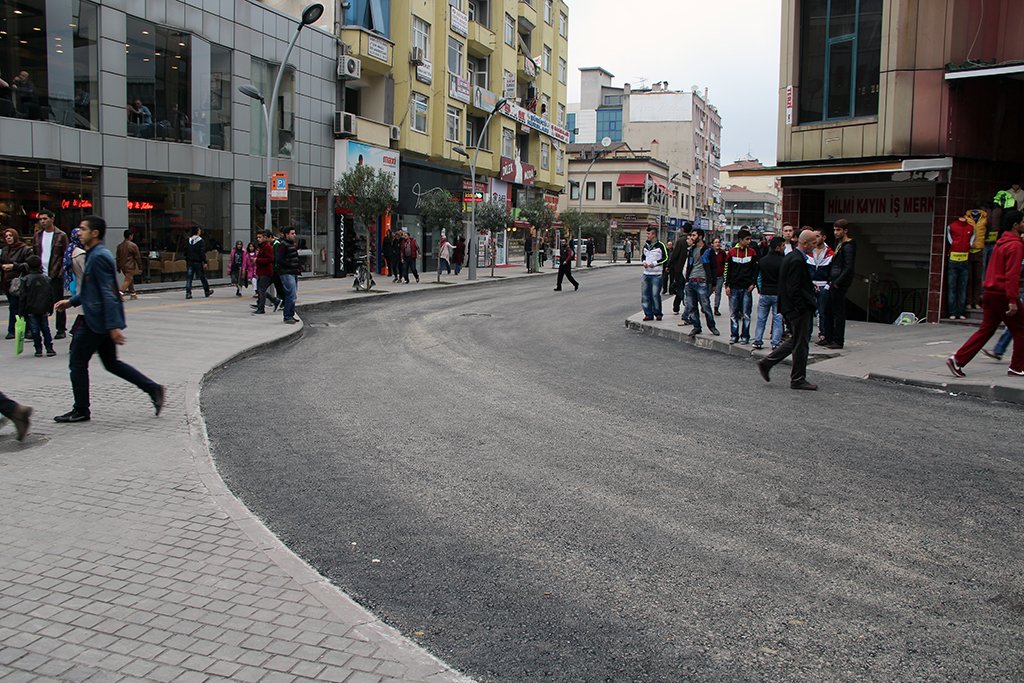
[346,5]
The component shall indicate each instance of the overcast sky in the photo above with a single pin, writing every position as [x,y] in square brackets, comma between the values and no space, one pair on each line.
[730,47]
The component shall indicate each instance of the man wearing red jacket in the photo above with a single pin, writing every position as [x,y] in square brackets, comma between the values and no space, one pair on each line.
[1001,301]
[264,272]
[960,235]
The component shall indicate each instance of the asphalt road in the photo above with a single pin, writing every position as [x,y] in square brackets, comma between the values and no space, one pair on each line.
[533,492]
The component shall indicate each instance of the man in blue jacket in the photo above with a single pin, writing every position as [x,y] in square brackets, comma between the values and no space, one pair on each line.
[101,329]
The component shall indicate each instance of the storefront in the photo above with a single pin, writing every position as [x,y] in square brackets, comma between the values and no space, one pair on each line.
[352,237]
[26,188]
[306,211]
[417,179]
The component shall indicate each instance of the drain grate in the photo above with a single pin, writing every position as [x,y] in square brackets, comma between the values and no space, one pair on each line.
[318,324]
[476,315]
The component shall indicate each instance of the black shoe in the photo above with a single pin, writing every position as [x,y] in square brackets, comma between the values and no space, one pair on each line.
[822,342]
[39,354]
[764,370]
[714,331]
[73,416]
[694,332]
[158,398]
[20,418]
[277,305]
[50,353]
[992,354]
[253,305]
[209,294]
[833,347]
[188,296]
[804,386]
[238,294]
[258,313]
[557,289]
[60,334]
[10,336]
[577,286]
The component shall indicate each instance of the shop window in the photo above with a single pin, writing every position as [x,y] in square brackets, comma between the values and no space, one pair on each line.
[162,210]
[48,62]
[606,190]
[159,90]
[262,77]
[841,43]
[71,192]
[420,104]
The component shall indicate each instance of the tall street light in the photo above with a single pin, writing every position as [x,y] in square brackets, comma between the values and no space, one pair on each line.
[605,143]
[309,15]
[470,249]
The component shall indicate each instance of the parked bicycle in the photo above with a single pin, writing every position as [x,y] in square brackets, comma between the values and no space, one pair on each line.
[364,278]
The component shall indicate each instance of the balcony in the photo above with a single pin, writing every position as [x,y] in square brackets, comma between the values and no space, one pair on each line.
[527,16]
[526,67]
[376,53]
[481,40]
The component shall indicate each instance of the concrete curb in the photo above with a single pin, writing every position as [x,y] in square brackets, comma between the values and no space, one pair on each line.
[992,392]
[420,665]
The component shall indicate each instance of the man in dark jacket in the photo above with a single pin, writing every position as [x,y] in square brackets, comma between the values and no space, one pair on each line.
[288,267]
[768,288]
[797,303]
[590,252]
[50,243]
[700,274]
[264,272]
[674,269]
[740,280]
[843,261]
[195,262]
[99,328]
[565,258]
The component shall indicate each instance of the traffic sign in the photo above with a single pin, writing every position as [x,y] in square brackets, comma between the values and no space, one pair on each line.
[279,185]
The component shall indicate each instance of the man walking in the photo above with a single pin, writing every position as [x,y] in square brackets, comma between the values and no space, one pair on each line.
[796,303]
[195,262]
[590,252]
[50,243]
[288,267]
[99,328]
[700,275]
[264,272]
[740,279]
[410,252]
[565,257]
[529,251]
[129,262]
[1001,301]
[16,413]
[843,260]
[655,256]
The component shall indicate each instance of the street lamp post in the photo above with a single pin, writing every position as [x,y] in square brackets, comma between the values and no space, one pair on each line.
[605,142]
[309,15]
[470,249]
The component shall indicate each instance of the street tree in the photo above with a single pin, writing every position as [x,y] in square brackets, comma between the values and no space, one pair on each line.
[368,193]
[443,212]
[537,213]
[494,217]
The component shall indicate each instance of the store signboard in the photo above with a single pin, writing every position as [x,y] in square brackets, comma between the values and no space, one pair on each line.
[881,206]
[515,171]
[509,91]
[531,120]
[359,154]
[484,99]
[460,22]
[377,48]
[458,88]
[425,73]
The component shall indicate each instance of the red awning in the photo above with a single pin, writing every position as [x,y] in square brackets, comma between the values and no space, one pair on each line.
[632,179]
[521,224]
[658,183]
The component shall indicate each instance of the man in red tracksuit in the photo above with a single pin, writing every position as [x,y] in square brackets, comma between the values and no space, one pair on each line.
[264,272]
[1001,301]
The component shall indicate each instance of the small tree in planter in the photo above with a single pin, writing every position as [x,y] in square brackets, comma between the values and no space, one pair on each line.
[440,210]
[537,213]
[494,217]
[368,193]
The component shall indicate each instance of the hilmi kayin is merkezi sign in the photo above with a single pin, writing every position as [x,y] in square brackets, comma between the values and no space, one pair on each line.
[880,205]
[531,120]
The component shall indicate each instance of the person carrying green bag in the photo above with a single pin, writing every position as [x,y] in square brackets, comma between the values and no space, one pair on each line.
[19,335]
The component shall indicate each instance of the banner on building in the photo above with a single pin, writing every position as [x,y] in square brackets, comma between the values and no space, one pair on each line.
[353,154]
[515,171]
[460,22]
[458,88]
[881,206]
[531,120]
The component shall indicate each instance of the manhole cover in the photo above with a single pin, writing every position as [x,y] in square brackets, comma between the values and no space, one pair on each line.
[318,324]
[476,315]
[8,444]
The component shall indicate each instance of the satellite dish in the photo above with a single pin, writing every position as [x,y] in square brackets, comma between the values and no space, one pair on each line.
[606,141]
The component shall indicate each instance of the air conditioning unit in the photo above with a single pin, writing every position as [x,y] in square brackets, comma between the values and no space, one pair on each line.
[396,133]
[349,68]
[344,125]
[417,57]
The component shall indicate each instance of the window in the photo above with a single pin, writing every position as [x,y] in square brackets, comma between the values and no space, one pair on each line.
[478,71]
[545,156]
[454,57]
[841,44]
[475,124]
[563,71]
[563,23]
[510,31]
[420,104]
[262,78]
[609,124]
[457,4]
[479,11]
[545,109]
[616,100]
[570,124]
[631,195]
[591,191]
[421,36]
[606,190]
[559,162]
[158,64]
[547,59]
[561,115]
[547,12]
[54,44]
[508,143]
[454,125]
[574,190]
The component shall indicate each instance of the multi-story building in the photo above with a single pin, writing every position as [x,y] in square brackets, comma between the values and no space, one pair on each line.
[133,112]
[745,208]
[684,128]
[897,116]
[442,68]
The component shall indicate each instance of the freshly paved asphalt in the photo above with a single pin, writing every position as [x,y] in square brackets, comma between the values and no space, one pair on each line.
[535,492]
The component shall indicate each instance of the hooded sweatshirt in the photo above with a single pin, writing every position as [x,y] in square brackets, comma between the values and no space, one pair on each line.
[195,250]
[1003,274]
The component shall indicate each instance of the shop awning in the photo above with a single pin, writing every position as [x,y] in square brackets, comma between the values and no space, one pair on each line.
[818,169]
[521,224]
[1011,71]
[632,179]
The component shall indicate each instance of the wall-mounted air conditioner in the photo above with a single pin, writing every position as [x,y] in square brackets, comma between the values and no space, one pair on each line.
[344,125]
[349,68]
[417,57]
[396,133]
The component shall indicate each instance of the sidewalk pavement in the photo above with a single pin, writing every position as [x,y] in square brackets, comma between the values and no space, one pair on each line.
[914,355]
[123,554]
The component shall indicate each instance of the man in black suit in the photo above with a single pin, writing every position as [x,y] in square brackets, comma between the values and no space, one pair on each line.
[797,303]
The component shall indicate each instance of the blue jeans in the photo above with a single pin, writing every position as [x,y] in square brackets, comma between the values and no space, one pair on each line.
[38,327]
[290,284]
[822,296]
[193,270]
[442,264]
[696,292]
[957,276]
[768,304]
[84,344]
[12,304]
[650,296]
[741,303]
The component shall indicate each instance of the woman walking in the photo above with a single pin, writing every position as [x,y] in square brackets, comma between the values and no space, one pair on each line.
[444,257]
[235,266]
[13,264]
[249,268]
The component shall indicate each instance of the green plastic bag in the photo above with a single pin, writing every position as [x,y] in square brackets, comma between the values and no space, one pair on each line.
[19,335]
